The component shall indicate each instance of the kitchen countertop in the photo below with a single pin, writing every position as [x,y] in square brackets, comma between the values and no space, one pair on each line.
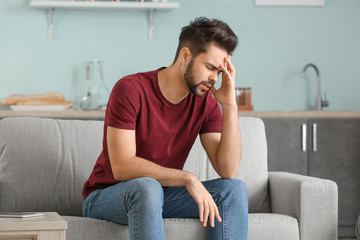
[99,115]
[300,114]
[70,114]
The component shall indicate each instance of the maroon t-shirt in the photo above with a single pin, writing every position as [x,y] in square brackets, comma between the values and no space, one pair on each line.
[165,132]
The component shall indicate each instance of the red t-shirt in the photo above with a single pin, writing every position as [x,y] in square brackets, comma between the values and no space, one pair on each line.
[165,132]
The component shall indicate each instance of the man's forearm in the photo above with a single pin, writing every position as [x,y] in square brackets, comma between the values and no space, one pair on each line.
[229,150]
[139,167]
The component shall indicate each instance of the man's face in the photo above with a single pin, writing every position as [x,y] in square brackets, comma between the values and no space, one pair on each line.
[202,72]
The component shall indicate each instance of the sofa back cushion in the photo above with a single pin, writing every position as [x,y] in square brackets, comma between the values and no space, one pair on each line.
[253,165]
[45,162]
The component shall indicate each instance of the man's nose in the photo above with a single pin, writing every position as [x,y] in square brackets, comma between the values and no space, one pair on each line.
[214,78]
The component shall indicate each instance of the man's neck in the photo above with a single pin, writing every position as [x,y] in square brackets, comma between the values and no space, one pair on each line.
[172,84]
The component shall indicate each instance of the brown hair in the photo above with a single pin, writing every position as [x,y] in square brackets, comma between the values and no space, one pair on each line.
[201,32]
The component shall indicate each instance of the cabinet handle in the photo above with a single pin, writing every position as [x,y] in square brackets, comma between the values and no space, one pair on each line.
[303,137]
[314,127]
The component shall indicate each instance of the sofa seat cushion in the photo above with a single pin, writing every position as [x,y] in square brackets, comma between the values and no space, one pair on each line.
[261,226]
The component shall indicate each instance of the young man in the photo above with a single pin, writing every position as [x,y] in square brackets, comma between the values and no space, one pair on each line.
[151,123]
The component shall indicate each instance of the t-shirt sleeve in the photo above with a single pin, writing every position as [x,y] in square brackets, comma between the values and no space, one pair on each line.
[213,117]
[123,106]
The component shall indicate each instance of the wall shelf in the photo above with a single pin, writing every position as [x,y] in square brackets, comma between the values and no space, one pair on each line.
[151,7]
[290,2]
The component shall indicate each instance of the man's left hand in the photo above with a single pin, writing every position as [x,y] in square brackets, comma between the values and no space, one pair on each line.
[225,95]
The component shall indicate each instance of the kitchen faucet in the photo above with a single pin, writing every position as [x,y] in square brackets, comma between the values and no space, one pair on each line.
[319,102]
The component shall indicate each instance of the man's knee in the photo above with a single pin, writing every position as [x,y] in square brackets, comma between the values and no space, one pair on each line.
[146,190]
[234,187]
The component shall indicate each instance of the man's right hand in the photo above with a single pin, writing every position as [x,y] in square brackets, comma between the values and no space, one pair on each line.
[205,202]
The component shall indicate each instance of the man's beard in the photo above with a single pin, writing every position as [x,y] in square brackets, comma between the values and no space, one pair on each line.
[190,81]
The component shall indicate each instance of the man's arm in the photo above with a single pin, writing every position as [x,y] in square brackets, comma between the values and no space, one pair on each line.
[126,166]
[224,150]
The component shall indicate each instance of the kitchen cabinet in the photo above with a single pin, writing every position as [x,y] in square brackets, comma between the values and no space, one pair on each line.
[284,137]
[332,152]
[338,158]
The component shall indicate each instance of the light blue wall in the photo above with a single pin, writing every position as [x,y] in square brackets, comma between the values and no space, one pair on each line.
[275,44]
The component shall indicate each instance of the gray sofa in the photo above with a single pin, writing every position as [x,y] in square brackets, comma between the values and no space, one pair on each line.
[45,162]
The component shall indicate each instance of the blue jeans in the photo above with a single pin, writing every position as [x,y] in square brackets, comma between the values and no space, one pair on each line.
[142,204]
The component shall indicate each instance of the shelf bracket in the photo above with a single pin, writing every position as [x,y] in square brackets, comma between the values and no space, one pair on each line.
[51,22]
[151,23]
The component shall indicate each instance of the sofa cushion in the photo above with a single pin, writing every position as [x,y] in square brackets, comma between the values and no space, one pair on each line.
[94,229]
[45,162]
[253,165]
[261,226]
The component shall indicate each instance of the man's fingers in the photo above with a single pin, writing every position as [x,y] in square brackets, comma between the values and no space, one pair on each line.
[229,65]
[217,215]
[225,70]
[201,212]
[206,214]
[226,74]
[212,216]
[209,212]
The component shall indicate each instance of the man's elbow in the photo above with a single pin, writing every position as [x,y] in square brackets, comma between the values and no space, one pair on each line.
[118,176]
[122,169]
[229,173]
[121,174]
[229,176]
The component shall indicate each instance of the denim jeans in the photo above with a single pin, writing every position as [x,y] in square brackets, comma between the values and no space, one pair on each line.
[142,204]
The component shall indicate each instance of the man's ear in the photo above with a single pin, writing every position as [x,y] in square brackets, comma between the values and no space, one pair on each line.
[185,55]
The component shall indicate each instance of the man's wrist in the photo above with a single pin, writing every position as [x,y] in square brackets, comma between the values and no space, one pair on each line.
[189,178]
[231,107]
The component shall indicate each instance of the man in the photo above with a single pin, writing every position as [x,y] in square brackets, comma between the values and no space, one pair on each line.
[151,123]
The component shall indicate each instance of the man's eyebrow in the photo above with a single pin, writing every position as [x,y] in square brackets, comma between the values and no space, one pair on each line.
[213,66]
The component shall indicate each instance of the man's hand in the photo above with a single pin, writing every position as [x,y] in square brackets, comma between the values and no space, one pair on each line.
[206,204]
[225,95]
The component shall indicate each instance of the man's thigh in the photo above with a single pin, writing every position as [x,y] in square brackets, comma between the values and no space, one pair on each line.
[112,203]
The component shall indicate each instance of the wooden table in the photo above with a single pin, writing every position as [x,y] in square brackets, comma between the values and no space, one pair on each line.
[48,227]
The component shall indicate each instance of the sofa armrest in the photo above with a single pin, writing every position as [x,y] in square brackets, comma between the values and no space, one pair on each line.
[313,201]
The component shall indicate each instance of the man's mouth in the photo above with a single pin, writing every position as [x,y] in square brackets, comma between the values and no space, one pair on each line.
[207,86]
